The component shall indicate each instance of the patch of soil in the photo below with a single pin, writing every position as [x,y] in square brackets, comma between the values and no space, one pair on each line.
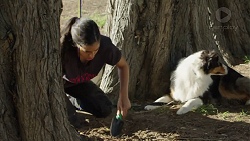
[230,122]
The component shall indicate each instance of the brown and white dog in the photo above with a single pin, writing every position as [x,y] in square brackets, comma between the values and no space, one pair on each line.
[202,74]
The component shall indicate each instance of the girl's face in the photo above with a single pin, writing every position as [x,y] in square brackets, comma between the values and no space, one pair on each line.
[88,52]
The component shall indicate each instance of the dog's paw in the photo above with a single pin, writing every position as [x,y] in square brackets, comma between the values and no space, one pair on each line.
[248,102]
[151,107]
[189,105]
[182,110]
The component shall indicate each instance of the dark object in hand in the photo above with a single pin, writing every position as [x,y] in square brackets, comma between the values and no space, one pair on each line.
[116,125]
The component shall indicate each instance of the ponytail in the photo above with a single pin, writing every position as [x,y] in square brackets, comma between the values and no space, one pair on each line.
[67,28]
[66,41]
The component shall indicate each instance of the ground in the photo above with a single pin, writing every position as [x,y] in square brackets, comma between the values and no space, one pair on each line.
[226,122]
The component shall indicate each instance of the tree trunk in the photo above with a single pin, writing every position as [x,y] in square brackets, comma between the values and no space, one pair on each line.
[155,34]
[31,92]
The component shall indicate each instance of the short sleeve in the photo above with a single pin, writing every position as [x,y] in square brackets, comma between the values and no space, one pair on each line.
[113,54]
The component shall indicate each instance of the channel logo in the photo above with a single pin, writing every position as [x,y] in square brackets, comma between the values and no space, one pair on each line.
[223,14]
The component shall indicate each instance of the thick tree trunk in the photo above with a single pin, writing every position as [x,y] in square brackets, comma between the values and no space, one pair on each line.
[155,34]
[31,91]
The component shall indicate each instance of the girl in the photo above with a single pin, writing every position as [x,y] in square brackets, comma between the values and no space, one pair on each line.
[84,52]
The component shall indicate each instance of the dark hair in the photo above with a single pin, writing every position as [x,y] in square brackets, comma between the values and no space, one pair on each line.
[85,32]
[81,31]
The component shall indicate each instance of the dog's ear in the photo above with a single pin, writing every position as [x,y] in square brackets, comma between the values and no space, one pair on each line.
[204,52]
[213,56]
[204,55]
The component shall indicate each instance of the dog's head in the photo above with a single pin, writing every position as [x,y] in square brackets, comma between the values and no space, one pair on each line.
[211,64]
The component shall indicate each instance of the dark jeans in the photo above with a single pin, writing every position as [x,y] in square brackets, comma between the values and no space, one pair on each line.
[88,97]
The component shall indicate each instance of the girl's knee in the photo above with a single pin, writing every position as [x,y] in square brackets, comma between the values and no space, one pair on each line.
[105,112]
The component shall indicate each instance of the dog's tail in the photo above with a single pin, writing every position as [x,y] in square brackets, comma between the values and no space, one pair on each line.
[159,102]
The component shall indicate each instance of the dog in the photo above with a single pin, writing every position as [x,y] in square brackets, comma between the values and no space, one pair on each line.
[199,76]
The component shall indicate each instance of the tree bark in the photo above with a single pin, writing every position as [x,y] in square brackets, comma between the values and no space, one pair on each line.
[155,34]
[31,92]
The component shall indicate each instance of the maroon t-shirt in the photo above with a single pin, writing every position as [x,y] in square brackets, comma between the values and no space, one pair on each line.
[74,71]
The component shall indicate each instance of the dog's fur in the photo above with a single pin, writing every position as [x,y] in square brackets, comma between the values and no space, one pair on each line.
[201,75]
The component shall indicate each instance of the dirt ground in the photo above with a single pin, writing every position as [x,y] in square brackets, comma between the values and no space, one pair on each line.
[228,122]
